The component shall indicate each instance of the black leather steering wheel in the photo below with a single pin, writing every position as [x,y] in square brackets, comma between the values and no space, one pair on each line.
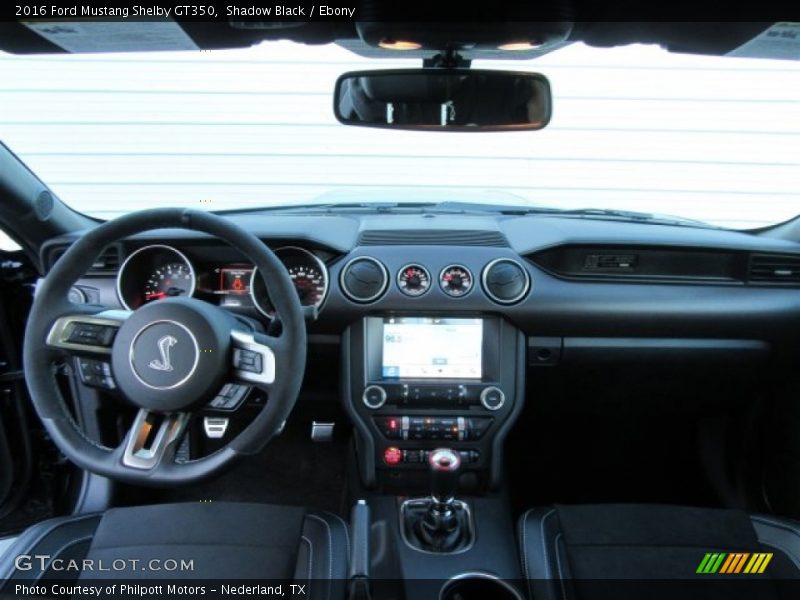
[167,357]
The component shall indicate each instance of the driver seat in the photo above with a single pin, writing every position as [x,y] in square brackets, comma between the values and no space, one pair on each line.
[220,540]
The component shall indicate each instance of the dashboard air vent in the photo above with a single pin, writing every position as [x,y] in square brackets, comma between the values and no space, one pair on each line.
[433,237]
[774,269]
[364,279]
[505,281]
[106,264]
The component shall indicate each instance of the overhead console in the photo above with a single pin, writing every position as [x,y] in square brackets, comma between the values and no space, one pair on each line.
[414,382]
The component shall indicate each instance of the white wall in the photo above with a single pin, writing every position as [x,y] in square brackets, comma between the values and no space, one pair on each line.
[711,138]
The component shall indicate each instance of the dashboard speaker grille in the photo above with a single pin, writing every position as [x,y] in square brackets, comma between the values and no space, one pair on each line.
[433,237]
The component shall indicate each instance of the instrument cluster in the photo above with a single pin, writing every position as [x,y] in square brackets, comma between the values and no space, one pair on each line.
[159,271]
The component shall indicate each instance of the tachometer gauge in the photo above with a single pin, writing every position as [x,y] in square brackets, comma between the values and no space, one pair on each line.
[413,280]
[152,273]
[173,279]
[456,280]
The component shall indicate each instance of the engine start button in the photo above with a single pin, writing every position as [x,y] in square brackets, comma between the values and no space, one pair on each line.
[392,456]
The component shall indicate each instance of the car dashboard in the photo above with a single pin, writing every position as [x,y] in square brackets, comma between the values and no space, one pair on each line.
[432,328]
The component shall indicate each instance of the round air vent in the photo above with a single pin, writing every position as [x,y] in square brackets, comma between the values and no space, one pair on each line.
[505,281]
[364,279]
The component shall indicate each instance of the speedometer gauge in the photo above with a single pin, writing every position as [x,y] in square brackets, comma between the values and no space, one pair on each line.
[309,282]
[413,280]
[456,280]
[173,279]
[307,272]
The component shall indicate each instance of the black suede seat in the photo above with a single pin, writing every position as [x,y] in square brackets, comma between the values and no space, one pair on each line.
[223,541]
[653,551]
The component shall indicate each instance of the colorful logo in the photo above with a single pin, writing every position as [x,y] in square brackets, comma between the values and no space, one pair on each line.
[734,563]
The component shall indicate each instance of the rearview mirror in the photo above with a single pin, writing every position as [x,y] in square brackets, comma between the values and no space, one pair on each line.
[443,99]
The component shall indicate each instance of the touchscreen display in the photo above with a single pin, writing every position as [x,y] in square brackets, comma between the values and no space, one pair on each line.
[423,347]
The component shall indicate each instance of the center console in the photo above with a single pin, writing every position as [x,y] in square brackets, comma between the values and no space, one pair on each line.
[414,383]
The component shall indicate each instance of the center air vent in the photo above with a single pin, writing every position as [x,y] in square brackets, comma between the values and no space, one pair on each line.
[505,281]
[432,237]
[775,269]
[364,279]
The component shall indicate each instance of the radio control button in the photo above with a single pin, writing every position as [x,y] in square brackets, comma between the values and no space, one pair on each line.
[492,398]
[374,396]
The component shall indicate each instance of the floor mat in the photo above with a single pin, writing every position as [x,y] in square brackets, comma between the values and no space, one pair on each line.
[291,470]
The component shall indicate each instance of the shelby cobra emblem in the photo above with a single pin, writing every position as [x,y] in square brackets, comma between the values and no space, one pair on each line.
[164,345]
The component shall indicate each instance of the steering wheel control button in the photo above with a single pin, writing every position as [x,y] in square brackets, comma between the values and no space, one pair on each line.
[492,398]
[230,397]
[91,334]
[247,360]
[392,456]
[164,355]
[96,373]
[374,397]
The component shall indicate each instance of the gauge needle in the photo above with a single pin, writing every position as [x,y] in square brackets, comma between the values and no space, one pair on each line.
[154,295]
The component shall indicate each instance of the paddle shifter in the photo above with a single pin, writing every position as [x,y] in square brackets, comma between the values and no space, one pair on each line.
[439,523]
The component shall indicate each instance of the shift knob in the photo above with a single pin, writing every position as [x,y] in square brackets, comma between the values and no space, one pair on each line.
[444,464]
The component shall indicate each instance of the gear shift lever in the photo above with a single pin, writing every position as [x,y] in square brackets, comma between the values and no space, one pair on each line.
[440,523]
[444,464]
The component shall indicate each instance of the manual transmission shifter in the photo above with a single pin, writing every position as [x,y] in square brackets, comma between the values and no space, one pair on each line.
[444,464]
[439,523]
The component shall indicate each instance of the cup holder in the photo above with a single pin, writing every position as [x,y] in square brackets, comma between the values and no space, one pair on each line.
[478,586]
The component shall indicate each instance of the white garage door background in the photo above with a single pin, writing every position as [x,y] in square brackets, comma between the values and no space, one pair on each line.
[716,139]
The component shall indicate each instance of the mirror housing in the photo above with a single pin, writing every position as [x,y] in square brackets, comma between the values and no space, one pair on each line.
[443,99]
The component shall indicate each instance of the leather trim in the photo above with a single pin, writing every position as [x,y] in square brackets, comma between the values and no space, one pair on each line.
[544,561]
[52,537]
[781,534]
[323,565]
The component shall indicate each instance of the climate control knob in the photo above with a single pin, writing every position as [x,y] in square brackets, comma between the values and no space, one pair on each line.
[492,398]
[374,397]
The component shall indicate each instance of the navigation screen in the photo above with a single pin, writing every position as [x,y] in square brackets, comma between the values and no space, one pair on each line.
[422,347]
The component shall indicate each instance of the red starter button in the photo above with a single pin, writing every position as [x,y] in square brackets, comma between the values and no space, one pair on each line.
[392,456]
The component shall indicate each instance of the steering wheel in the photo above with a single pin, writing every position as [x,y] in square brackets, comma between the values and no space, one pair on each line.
[168,358]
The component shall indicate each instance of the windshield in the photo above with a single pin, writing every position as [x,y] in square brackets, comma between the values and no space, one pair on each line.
[633,128]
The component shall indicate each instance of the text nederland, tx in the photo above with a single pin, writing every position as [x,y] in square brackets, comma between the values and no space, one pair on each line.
[125,589]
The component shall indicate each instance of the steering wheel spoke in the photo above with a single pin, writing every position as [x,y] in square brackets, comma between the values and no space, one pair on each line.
[83,333]
[153,438]
[253,358]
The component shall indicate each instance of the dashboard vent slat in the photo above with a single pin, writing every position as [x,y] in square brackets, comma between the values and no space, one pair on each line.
[774,269]
[106,264]
[459,237]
